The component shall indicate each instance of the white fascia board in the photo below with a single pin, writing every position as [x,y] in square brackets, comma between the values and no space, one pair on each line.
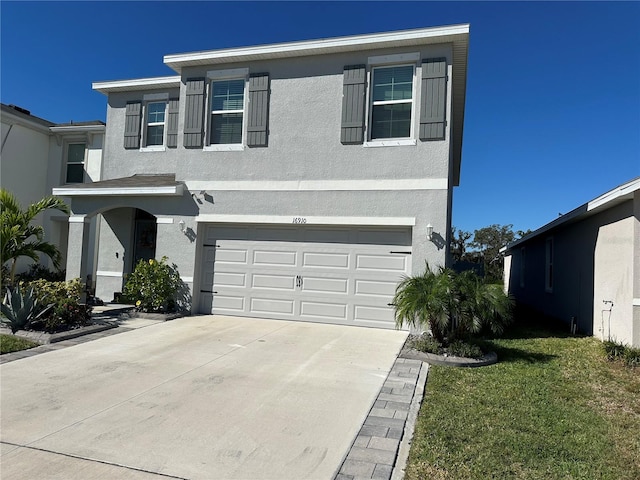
[605,200]
[321,185]
[10,119]
[614,194]
[122,191]
[310,220]
[316,47]
[69,129]
[136,84]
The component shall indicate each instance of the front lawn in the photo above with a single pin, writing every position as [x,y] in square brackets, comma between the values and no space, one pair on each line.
[11,343]
[552,408]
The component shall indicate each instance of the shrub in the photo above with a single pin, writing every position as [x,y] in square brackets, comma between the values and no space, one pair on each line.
[458,348]
[426,343]
[21,308]
[615,351]
[451,305]
[153,286]
[40,272]
[67,311]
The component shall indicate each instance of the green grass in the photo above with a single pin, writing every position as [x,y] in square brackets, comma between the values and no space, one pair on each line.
[11,343]
[552,408]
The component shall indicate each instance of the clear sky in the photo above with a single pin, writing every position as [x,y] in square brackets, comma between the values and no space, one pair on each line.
[553,93]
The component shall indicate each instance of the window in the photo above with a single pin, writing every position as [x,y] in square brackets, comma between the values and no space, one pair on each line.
[227,111]
[155,120]
[391,102]
[75,163]
[548,274]
[523,257]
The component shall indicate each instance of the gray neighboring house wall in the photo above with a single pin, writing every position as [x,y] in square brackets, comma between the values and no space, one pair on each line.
[39,155]
[585,266]
[287,181]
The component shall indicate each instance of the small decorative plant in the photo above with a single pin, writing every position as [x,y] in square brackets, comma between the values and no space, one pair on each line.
[67,312]
[21,308]
[153,286]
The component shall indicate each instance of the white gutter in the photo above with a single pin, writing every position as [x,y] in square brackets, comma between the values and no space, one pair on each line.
[136,84]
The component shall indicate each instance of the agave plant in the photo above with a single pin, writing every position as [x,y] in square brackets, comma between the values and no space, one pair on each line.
[21,308]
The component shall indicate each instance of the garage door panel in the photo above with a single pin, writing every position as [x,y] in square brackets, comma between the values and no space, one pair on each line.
[275,282]
[334,311]
[325,260]
[272,306]
[233,303]
[367,313]
[386,263]
[377,288]
[224,279]
[231,255]
[274,258]
[325,285]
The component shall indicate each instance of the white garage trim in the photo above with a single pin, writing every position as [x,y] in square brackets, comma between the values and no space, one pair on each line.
[289,220]
[342,274]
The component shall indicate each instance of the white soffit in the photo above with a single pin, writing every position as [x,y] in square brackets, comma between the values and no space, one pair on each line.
[136,84]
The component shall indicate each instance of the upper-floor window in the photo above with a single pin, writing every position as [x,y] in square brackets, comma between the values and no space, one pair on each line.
[155,122]
[227,111]
[75,162]
[391,102]
[386,103]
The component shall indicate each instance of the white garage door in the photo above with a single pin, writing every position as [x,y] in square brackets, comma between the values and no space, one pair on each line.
[317,274]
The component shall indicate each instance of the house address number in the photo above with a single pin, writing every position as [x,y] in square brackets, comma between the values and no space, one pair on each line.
[299,220]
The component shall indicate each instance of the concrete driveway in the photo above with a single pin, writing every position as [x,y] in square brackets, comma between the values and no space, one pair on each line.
[206,397]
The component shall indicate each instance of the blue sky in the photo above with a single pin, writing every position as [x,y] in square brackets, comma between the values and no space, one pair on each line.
[553,95]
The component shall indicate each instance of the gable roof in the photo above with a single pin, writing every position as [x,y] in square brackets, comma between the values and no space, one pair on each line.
[621,193]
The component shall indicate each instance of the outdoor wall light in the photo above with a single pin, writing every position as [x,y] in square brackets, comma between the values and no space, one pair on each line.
[183,228]
[429,232]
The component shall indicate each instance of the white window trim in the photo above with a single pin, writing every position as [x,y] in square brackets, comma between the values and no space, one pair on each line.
[147,100]
[68,143]
[230,74]
[384,61]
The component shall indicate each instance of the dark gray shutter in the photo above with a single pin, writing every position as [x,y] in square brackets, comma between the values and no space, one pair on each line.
[353,98]
[257,123]
[133,114]
[193,114]
[172,123]
[433,99]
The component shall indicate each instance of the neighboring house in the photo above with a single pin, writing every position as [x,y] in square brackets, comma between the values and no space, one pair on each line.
[289,181]
[584,267]
[39,155]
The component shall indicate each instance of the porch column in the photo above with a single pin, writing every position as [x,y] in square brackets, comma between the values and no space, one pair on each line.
[78,246]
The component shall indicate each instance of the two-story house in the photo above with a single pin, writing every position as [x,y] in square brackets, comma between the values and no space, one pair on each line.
[38,155]
[289,181]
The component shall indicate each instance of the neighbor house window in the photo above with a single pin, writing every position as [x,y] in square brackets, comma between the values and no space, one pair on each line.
[155,123]
[227,111]
[523,258]
[548,274]
[391,102]
[75,163]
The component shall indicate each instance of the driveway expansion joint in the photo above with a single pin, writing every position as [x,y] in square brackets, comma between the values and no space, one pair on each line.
[381,447]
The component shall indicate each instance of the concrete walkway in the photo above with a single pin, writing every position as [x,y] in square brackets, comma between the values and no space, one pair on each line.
[208,397]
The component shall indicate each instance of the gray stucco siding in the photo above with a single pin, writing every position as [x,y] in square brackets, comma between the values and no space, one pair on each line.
[304,132]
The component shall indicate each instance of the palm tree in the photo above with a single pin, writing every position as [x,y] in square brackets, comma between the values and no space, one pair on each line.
[451,305]
[19,238]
